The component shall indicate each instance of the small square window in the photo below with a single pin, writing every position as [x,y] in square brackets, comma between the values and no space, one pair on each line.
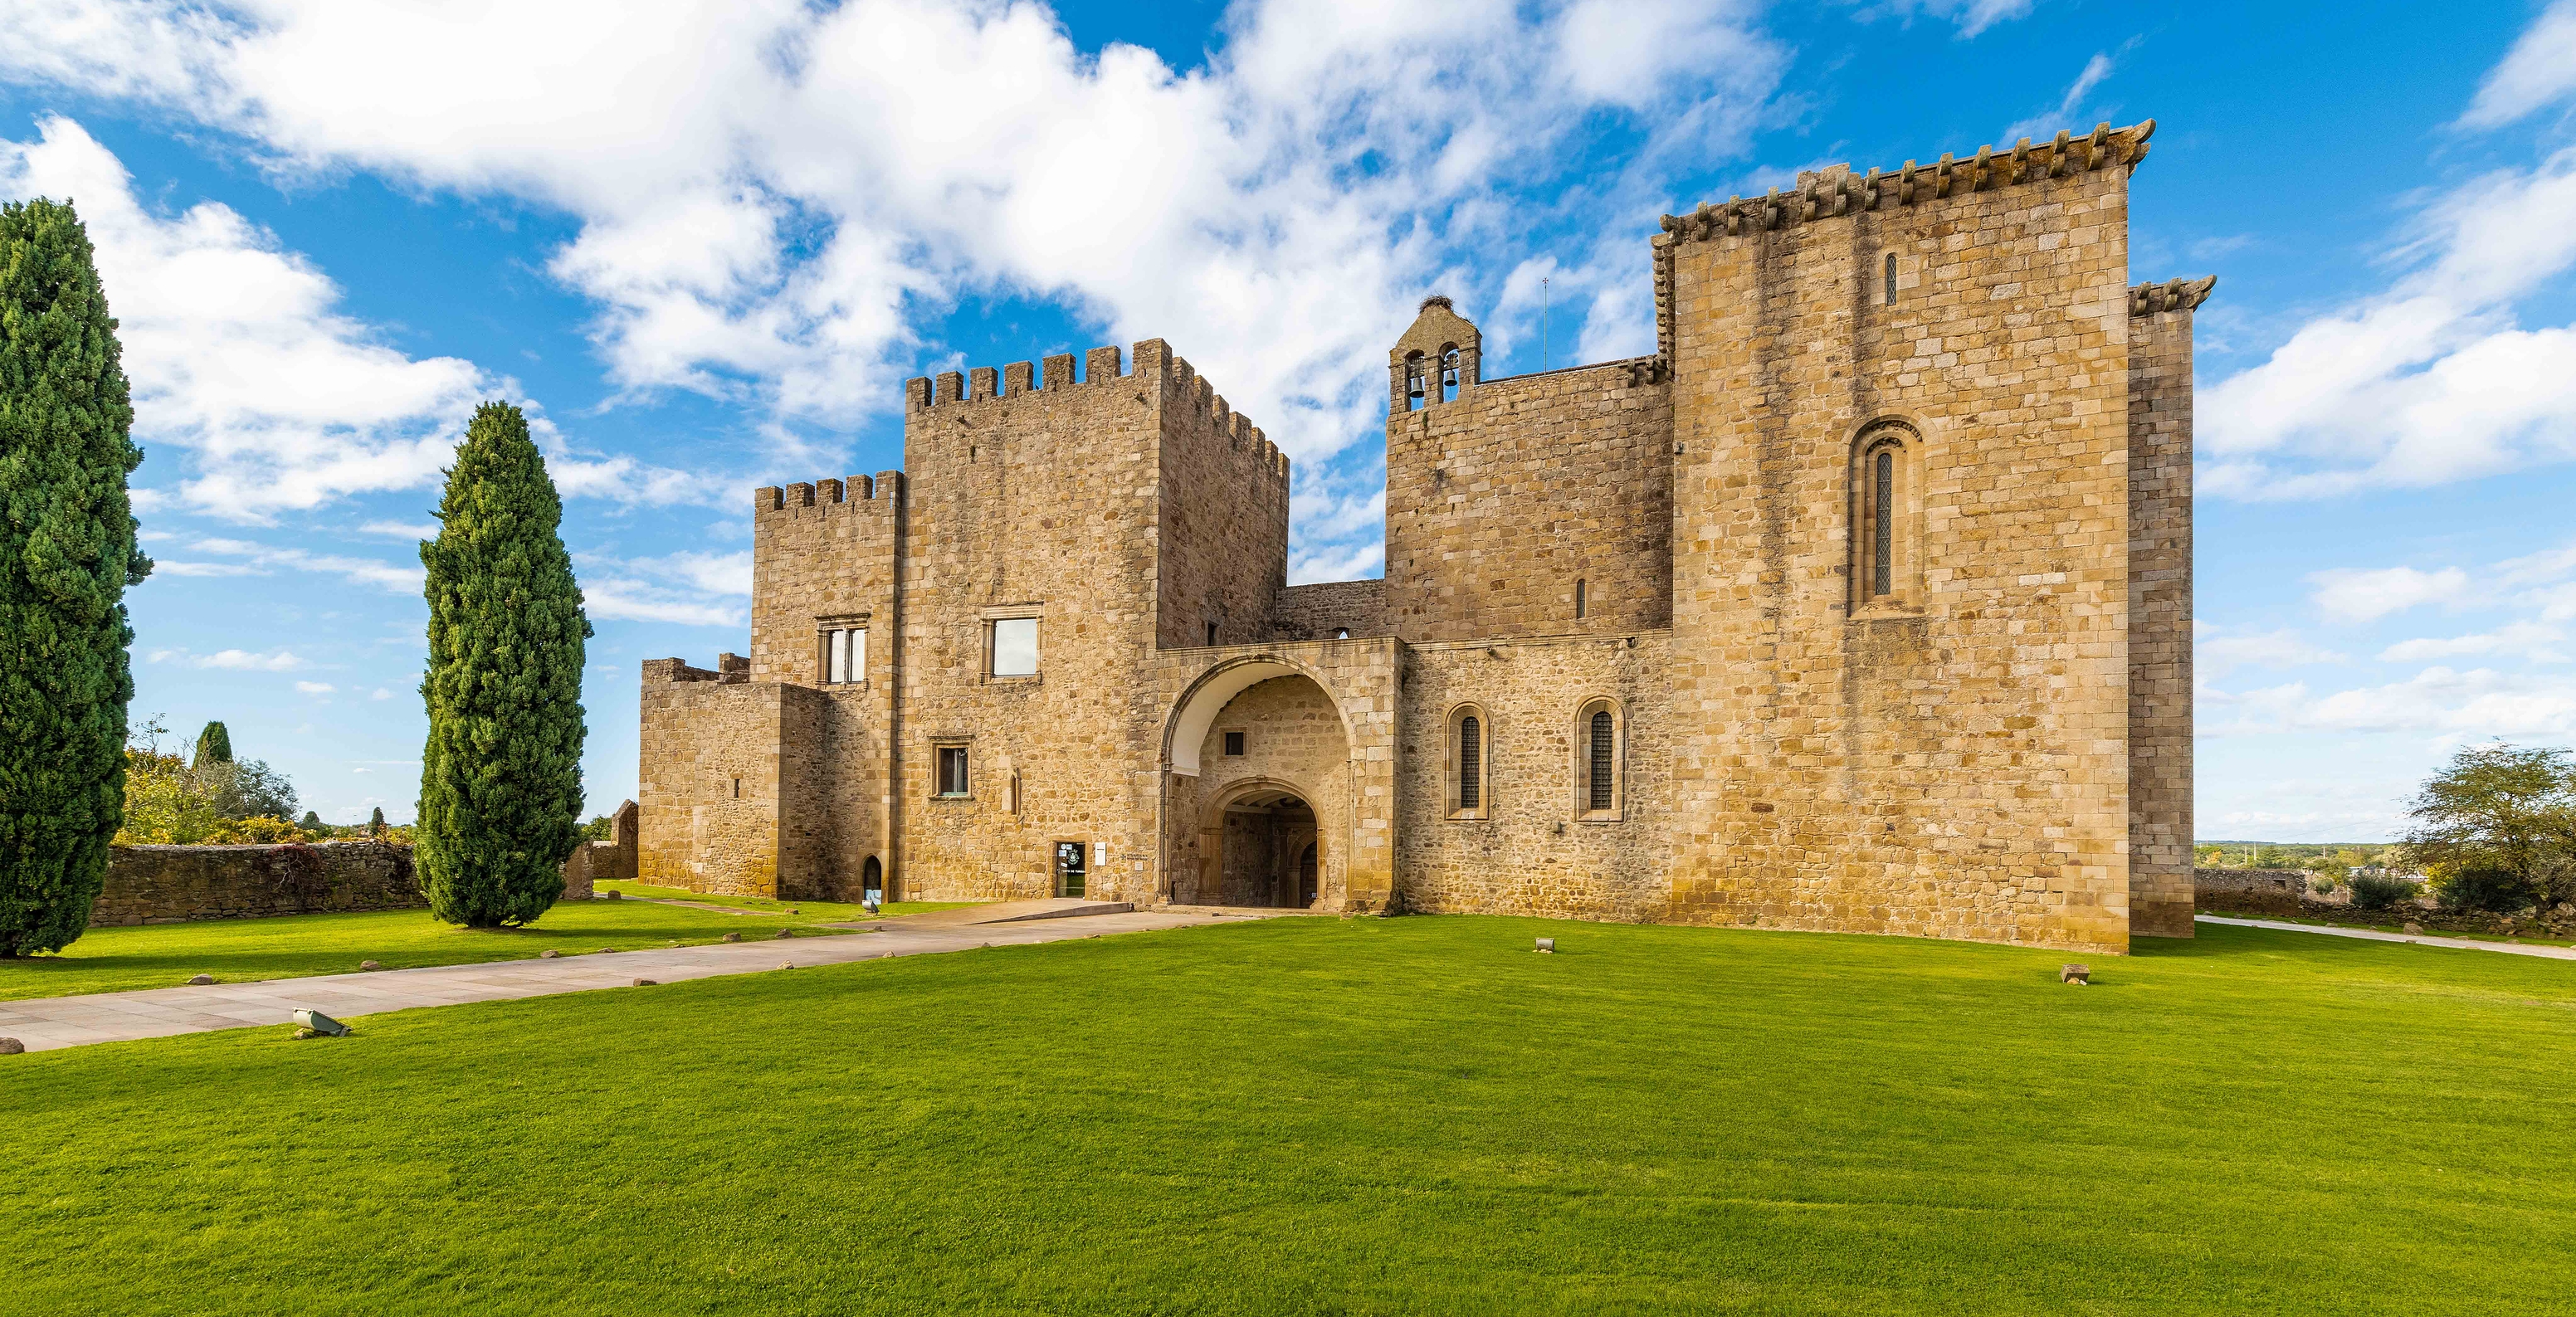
[952,770]
[1015,647]
[1234,744]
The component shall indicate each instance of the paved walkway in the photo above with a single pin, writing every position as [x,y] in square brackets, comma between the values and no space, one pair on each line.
[2374,935]
[45,1023]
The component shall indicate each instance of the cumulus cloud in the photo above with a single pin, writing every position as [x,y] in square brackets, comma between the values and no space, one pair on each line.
[2534,642]
[2217,655]
[315,687]
[769,196]
[2538,72]
[237,660]
[2435,379]
[2479,702]
[688,588]
[2350,594]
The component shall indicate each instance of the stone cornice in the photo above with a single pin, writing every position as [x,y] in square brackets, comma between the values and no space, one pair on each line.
[2172,295]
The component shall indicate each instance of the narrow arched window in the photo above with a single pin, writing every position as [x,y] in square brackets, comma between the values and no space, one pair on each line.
[1449,374]
[1471,761]
[1600,755]
[1882,478]
[1581,604]
[1468,785]
[1413,382]
[1891,278]
[1886,548]
[1603,750]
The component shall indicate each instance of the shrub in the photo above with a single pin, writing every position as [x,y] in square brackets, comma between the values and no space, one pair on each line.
[2383,892]
[2321,885]
[2484,888]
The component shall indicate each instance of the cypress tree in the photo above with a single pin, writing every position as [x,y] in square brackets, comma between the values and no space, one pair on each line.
[376,824]
[500,777]
[67,554]
[214,746]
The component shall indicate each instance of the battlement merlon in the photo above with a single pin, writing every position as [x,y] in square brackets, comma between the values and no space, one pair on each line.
[1825,193]
[882,492]
[2172,295]
[1181,385]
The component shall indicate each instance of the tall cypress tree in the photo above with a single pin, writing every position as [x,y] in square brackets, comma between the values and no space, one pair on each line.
[67,554]
[214,746]
[500,778]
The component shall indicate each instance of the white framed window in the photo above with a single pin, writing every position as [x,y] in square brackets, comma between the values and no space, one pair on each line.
[1015,647]
[953,778]
[845,655]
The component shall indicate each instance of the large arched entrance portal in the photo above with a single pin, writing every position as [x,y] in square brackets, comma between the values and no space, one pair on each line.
[1260,805]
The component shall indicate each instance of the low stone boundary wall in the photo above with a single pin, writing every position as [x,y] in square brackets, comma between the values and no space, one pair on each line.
[2249,891]
[175,884]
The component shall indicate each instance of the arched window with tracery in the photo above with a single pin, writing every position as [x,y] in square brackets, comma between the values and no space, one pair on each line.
[1600,761]
[1886,514]
[1468,784]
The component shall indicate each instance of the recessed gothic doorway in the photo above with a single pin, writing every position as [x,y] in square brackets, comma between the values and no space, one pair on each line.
[1266,848]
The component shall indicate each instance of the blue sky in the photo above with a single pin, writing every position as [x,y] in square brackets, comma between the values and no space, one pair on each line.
[704,243]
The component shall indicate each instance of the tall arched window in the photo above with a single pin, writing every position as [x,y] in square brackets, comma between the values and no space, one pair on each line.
[1469,782]
[1891,278]
[1413,382]
[1600,761]
[1886,510]
[1449,374]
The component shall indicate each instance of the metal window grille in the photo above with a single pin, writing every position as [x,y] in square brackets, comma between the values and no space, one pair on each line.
[1604,749]
[1234,744]
[1883,532]
[1471,751]
[1891,278]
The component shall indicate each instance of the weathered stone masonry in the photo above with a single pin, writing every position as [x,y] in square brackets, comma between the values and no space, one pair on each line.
[1877,575]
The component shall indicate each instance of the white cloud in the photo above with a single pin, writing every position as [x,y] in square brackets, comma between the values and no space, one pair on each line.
[2064,117]
[2481,702]
[402,530]
[2215,656]
[1972,16]
[2350,594]
[2429,382]
[2534,642]
[380,693]
[770,196]
[238,660]
[315,687]
[2539,71]
[688,588]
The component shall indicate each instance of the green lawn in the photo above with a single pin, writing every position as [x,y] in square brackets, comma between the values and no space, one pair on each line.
[292,946]
[1316,1115]
[832,910]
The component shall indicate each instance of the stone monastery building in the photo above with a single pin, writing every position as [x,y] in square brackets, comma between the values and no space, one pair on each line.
[1863,604]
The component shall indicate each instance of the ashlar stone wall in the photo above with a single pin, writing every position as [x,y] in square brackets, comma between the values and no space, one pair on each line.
[1293,742]
[2160,681]
[1498,502]
[1953,762]
[729,797]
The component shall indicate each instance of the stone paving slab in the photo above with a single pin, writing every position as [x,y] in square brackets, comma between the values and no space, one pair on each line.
[46,1023]
[2374,935]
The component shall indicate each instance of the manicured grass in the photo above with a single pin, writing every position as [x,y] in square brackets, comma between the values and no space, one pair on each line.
[1316,1115]
[2396,923]
[827,910]
[293,946]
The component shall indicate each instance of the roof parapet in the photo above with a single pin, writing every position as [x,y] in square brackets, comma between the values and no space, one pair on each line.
[879,493]
[1826,193]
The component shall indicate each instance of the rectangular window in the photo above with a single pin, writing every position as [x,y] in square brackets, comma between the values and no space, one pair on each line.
[845,655]
[1234,744]
[1015,647]
[952,770]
